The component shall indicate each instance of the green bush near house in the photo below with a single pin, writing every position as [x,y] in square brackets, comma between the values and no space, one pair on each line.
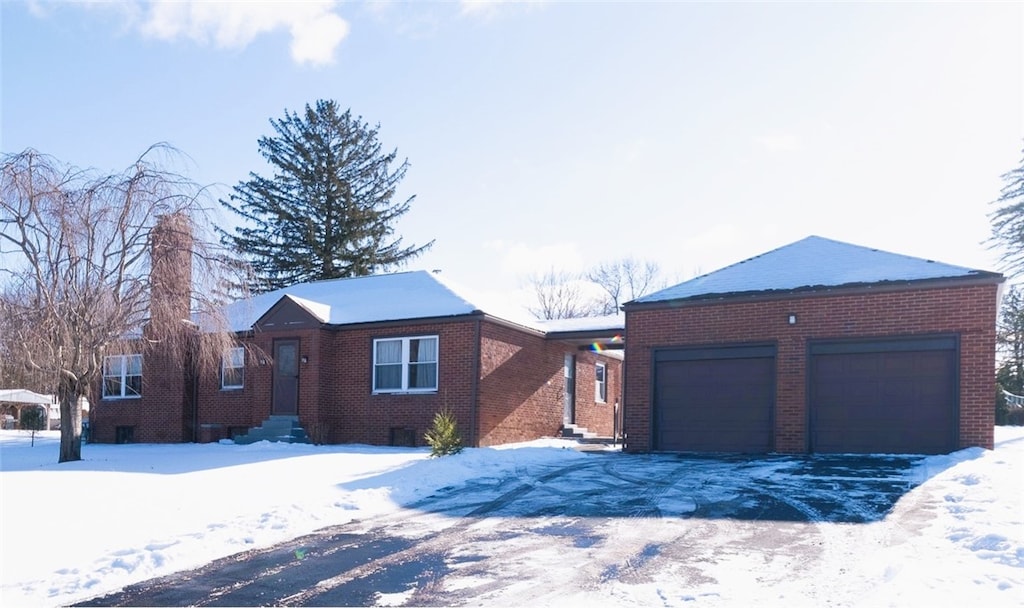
[443,437]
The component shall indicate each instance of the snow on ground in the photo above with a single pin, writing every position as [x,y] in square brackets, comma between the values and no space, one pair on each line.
[126,513]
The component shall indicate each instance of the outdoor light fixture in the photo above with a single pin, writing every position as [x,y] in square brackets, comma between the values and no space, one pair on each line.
[792,318]
[305,359]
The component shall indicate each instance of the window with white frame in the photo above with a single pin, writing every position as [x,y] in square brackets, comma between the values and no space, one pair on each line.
[405,364]
[232,368]
[600,383]
[122,377]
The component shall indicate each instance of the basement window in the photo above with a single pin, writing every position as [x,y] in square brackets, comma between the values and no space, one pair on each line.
[122,377]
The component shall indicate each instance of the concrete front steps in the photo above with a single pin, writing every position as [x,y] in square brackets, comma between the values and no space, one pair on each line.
[587,441]
[581,434]
[284,429]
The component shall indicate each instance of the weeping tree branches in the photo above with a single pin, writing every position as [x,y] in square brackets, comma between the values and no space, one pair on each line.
[75,279]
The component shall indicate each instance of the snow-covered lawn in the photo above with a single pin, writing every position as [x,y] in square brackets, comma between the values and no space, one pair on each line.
[127,513]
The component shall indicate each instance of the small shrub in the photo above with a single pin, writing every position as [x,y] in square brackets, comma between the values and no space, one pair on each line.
[33,419]
[443,437]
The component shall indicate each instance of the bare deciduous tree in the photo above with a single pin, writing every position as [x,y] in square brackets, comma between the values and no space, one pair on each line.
[623,280]
[559,295]
[75,280]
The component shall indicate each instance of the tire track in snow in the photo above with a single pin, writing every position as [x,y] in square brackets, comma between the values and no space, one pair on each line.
[440,543]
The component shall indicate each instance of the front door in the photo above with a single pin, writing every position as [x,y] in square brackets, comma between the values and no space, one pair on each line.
[286,378]
[569,404]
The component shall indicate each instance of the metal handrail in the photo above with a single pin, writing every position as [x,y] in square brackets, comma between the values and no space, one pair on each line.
[1016,401]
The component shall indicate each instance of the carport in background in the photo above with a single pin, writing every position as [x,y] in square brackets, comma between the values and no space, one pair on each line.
[884,396]
[714,399]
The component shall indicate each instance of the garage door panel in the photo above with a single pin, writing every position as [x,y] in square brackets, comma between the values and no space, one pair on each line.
[890,401]
[714,405]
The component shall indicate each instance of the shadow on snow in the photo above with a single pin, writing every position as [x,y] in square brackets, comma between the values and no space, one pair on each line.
[819,488]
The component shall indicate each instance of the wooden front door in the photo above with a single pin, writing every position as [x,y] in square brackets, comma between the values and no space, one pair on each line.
[286,378]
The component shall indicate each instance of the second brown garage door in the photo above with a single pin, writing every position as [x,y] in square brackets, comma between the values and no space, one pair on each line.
[714,399]
[891,396]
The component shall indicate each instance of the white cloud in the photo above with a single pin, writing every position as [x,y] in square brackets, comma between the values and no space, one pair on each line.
[314,41]
[316,29]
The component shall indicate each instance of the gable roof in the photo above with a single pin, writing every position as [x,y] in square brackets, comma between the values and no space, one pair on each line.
[383,297]
[813,262]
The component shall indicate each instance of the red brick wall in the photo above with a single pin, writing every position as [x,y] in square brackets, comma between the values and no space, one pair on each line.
[161,415]
[225,410]
[518,398]
[336,401]
[597,417]
[521,385]
[351,413]
[968,311]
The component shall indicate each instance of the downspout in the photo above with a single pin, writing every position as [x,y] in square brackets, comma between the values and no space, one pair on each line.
[474,405]
[195,403]
[194,369]
[622,381]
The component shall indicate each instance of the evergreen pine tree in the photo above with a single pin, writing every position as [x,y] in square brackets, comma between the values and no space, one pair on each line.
[326,212]
[33,419]
[443,437]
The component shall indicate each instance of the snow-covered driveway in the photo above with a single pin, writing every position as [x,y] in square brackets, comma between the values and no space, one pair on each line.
[603,525]
[526,524]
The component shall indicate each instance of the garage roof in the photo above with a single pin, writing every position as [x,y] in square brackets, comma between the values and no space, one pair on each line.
[813,262]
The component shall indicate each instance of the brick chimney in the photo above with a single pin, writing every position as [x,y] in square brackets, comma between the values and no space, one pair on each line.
[171,271]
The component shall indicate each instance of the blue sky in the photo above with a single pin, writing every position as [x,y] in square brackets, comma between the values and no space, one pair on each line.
[563,134]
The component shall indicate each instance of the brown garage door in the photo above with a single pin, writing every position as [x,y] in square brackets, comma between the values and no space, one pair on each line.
[714,399]
[896,396]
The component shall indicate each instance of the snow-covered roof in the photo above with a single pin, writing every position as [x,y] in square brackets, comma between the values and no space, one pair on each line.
[20,395]
[813,262]
[383,297]
[322,312]
[601,323]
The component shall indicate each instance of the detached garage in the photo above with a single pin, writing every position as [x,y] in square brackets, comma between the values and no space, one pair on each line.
[819,346]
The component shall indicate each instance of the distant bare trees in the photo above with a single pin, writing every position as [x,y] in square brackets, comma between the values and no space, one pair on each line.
[559,295]
[601,290]
[75,281]
[623,280]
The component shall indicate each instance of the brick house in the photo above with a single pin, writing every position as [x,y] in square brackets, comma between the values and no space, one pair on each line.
[818,346]
[367,360]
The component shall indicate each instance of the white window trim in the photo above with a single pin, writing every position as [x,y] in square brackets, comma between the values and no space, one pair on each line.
[405,366]
[227,358]
[122,376]
[599,383]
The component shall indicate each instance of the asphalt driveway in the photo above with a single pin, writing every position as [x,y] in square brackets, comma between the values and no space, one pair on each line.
[614,516]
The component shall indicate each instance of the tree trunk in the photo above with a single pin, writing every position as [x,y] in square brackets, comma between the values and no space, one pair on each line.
[70,422]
